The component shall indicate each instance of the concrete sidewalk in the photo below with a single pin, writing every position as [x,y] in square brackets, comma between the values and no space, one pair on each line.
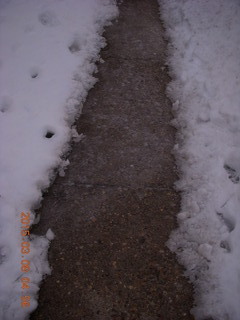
[114,210]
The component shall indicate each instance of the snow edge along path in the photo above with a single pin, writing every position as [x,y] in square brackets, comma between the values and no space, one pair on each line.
[47,58]
[204,64]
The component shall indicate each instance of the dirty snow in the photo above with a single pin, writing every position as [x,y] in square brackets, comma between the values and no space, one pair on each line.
[204,62]
[48,50]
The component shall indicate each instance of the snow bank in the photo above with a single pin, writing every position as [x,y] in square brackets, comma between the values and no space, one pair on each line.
[204,61]
[48,50]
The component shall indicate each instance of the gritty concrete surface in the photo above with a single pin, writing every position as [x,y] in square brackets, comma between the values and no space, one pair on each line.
[115,208]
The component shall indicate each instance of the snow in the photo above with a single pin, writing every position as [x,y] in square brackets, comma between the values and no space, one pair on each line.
[204,64]
[47,58]
[50,235]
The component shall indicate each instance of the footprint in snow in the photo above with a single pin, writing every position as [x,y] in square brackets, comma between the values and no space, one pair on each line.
[5,104]
[228,220]
[48,19]
[226,245]
[76,44]
[233,174]
[34,72]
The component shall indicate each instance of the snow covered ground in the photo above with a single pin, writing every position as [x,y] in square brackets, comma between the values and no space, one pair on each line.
[204,62]
[48,50]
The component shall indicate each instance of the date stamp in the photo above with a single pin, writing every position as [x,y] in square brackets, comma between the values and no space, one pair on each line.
[25,263]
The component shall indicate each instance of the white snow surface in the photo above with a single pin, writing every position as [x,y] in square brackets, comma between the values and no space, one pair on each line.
[204,62]
[47,58]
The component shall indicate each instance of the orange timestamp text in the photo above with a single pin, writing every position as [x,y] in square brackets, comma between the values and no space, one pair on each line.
[25,263]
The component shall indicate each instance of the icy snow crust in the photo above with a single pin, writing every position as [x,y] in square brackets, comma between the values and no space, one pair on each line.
[48,50]
[204,60]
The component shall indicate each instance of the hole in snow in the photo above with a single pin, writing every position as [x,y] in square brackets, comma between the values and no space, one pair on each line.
[49,134]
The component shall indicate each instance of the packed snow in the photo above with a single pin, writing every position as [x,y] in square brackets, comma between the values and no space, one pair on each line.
[204,62]
[47,58]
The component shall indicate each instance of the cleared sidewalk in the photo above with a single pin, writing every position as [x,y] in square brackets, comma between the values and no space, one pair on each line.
[115,208]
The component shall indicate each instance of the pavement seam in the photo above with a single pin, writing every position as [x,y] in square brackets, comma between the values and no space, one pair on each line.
[102,185]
